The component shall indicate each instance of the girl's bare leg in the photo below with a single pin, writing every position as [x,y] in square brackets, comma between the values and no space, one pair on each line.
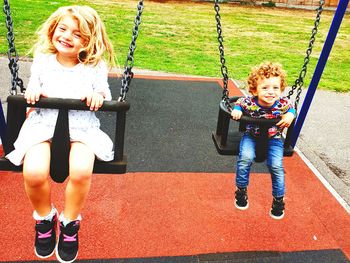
[81,163]
[36,169]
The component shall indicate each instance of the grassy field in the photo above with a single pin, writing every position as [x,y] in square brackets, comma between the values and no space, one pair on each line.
[180,37]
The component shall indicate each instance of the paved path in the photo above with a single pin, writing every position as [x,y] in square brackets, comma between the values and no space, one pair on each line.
[324,139]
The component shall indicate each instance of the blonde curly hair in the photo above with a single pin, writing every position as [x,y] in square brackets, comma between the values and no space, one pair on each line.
[266,70]
[97,43]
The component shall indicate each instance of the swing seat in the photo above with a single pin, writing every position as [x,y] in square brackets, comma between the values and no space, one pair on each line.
[16,115]
[227,140]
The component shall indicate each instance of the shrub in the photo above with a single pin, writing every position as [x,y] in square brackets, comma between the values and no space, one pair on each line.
[269,4]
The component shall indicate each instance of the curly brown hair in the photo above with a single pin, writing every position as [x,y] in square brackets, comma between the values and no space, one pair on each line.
[266,70]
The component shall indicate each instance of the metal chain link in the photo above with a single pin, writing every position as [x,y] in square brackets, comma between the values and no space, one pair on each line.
[224,71]
[12,53]
[129,63]
[299,82]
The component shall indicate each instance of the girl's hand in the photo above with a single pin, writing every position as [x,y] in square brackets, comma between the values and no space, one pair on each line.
[286,120]
[32,96]
[236,114]
[94,100]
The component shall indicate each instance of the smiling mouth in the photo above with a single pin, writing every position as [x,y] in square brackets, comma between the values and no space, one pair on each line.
[65,44]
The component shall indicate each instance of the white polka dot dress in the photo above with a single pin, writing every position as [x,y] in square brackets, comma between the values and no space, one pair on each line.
[57,81]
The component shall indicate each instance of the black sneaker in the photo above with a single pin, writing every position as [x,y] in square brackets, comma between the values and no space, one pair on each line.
[241,201]
[67,248]
[45,237]
[277,209]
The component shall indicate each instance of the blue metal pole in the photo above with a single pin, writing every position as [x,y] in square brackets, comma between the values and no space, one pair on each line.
[337,19]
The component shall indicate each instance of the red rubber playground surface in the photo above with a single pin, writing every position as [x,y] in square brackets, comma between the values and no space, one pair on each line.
[177,205]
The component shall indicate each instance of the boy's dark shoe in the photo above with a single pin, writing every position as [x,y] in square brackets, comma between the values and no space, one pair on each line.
[241,200]
[67,248]
[277,209]
[45,237]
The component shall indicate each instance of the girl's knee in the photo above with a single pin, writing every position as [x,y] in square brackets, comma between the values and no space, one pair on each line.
[80,175]
[35,177]
[81,163]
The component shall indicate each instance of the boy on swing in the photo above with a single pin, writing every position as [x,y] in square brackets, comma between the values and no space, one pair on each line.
[266,83]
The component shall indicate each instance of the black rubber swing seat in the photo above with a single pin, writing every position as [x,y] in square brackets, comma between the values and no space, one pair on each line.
[227,141]
[16,115]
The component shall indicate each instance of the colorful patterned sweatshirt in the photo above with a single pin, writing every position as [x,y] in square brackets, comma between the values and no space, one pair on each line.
[250,107]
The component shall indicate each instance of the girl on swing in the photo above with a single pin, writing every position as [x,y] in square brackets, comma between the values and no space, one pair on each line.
[266,83]
[68,63]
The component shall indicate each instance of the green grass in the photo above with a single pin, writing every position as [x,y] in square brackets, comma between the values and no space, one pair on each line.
[180,37]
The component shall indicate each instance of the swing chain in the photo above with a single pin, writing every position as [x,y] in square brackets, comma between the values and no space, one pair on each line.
[299,82]
[12,52]
[129,63]
[224,71]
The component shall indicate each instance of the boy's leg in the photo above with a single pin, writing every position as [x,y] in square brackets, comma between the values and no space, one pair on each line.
[244,162]
[275,165]
[81,163]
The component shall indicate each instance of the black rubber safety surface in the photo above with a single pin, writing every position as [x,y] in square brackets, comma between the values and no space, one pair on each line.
[169,126]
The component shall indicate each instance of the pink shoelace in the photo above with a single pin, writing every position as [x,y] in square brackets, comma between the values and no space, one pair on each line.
[67,238]
[44,235]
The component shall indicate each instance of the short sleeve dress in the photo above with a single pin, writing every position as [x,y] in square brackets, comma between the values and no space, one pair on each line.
[58,81]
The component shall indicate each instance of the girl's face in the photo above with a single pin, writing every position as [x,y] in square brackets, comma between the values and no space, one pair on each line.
[268,91]
[67,40]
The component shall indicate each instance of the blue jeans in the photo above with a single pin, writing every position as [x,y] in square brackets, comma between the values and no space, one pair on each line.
[274,163]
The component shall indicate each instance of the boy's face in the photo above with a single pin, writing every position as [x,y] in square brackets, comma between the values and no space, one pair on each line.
[268,91]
